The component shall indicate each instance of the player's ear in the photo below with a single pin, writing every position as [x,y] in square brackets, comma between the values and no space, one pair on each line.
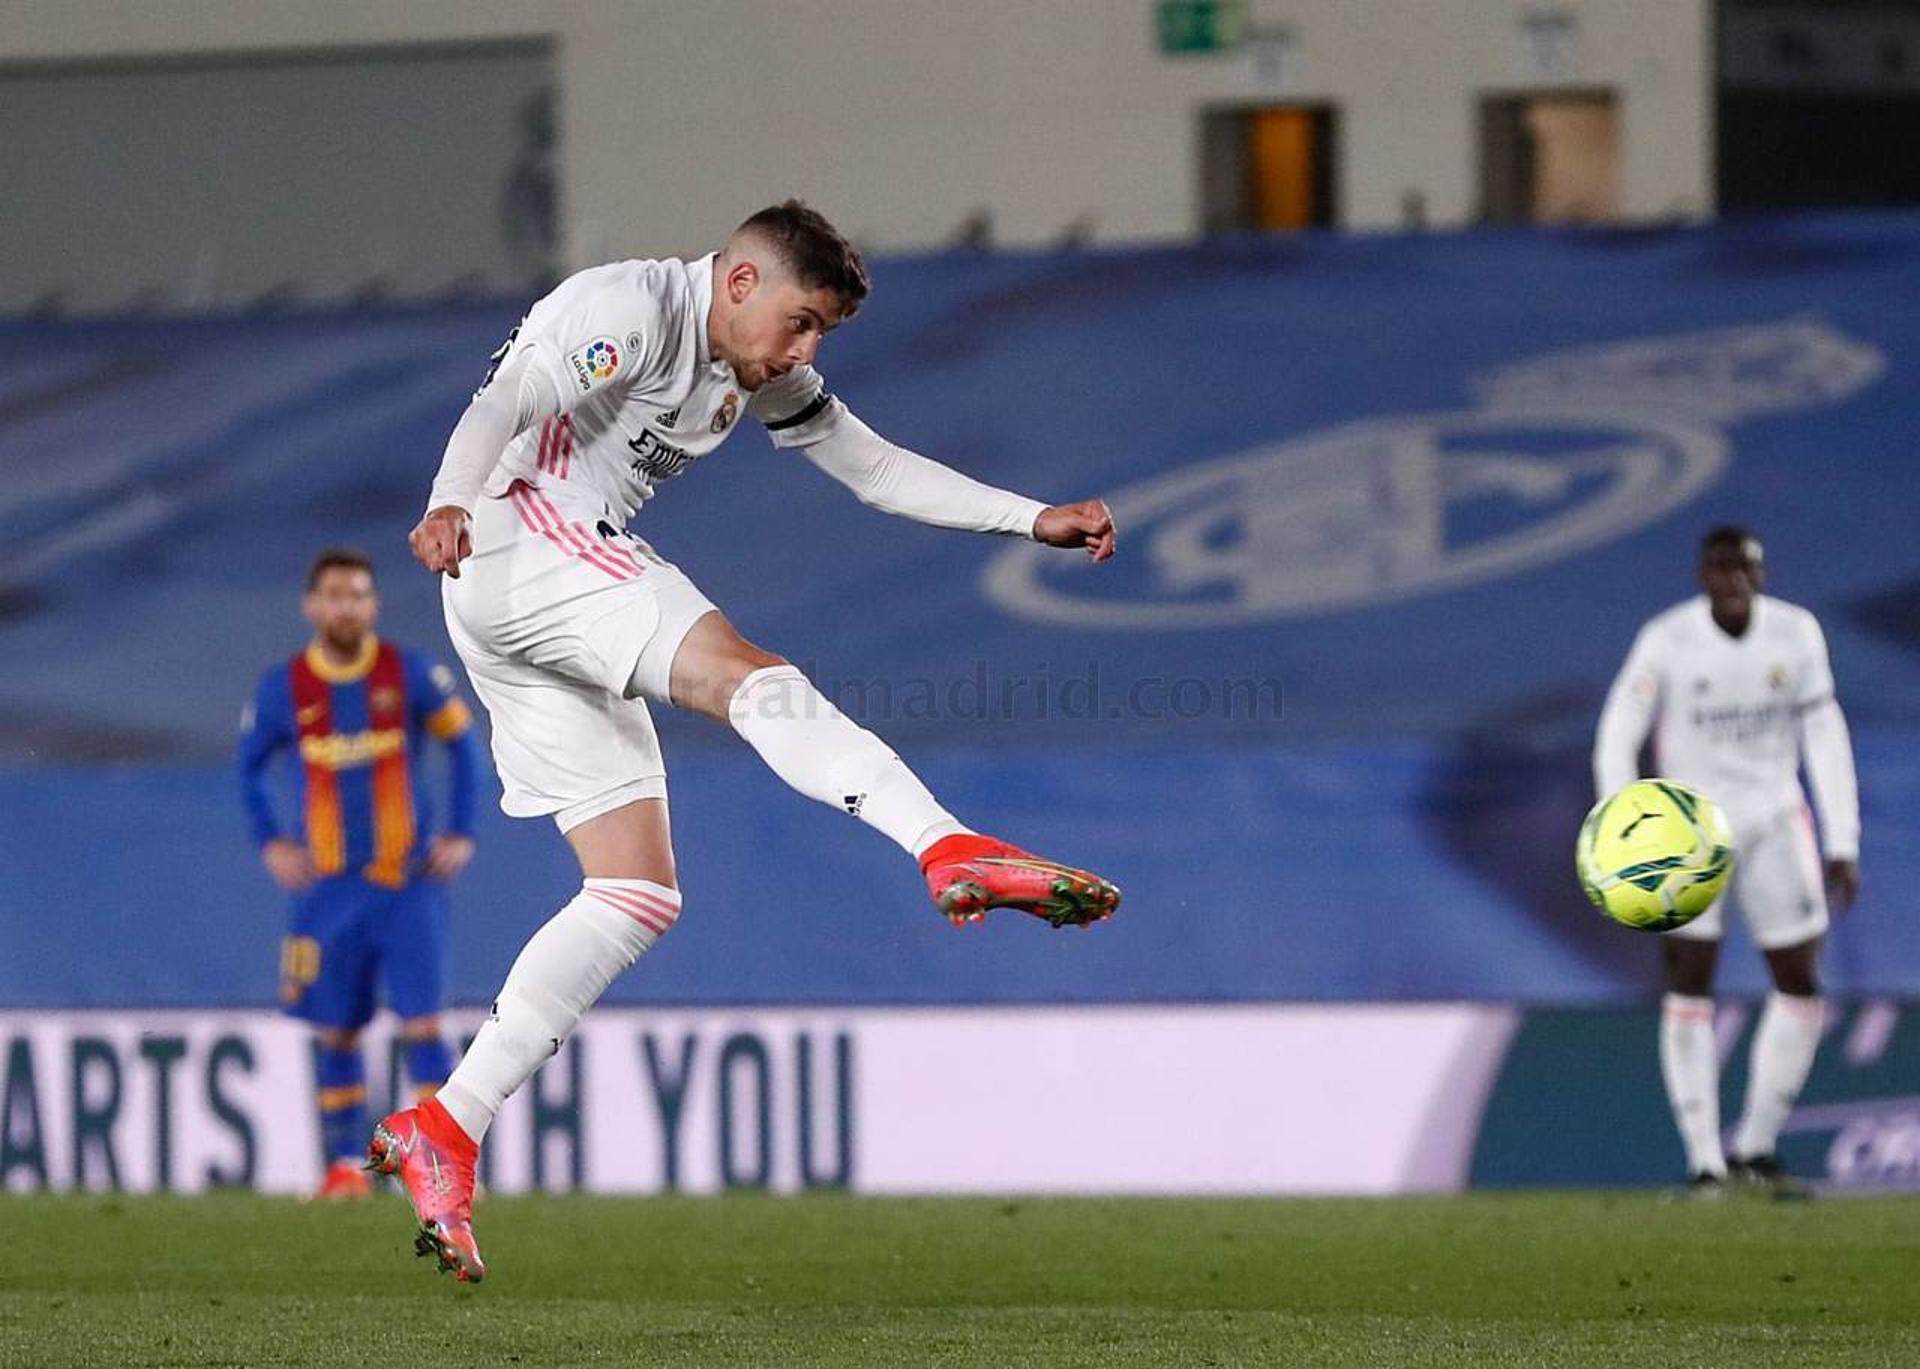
[742,280]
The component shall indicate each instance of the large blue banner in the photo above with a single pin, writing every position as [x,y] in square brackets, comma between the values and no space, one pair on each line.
[1390,510]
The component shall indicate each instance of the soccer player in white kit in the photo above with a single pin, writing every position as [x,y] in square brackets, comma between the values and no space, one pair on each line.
[1739,691]
[614,383]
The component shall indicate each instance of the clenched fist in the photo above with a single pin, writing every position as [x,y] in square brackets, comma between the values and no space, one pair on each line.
[1087,524]
[443,539]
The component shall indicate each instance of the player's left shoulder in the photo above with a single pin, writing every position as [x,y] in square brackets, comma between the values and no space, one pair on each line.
[1791,620]
[432,676]
[795,406]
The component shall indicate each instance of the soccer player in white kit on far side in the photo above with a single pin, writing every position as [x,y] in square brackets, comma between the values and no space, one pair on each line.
[615,382]
[1739,692]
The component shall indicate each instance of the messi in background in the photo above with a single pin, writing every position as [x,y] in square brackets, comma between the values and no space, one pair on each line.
[367,876]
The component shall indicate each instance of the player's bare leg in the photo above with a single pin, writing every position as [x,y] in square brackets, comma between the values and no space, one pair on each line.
[817,750]
[1689,1064]
[626,903]
[1784,1044]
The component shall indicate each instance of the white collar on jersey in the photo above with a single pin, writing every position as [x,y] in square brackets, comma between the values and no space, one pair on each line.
[700,281]
[1704,606]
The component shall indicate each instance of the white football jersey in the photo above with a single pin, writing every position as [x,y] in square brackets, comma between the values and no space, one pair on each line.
[1727,714]
[625,346]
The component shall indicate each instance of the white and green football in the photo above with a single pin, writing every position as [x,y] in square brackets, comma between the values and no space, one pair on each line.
[1655,855]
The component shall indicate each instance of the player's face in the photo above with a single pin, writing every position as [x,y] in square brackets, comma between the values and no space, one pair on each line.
[342,607]
[776,325]
[1731,574]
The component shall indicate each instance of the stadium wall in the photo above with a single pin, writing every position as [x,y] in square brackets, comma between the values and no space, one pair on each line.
[677,119]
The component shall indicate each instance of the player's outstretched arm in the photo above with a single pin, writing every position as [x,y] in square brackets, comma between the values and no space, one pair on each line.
[901,482]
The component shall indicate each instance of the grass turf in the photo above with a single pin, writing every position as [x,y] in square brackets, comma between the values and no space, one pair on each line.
[1486,1280]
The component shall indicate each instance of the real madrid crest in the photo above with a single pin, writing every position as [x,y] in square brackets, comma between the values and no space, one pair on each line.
[729,407]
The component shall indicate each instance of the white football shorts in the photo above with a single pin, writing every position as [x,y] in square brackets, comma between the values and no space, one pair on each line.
[567,624]
[1778,882]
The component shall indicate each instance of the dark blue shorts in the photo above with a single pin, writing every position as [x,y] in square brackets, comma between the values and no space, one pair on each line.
[347,934]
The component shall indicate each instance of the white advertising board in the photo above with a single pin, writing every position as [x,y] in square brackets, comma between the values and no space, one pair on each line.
[1200,1099]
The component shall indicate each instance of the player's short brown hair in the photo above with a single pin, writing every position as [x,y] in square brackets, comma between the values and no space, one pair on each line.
[817,254]
[346,558]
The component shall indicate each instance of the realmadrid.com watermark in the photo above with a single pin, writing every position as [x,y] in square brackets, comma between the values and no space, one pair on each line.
[1038,694]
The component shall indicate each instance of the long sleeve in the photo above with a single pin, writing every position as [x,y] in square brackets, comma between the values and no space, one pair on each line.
[1826,749]
[444,714]
[897,481]
[1627,717]
[515,398]
[463,768]
[262,734]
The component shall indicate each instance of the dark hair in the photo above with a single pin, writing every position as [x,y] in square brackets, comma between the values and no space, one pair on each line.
[1729,535]
[813,250]
[347,558]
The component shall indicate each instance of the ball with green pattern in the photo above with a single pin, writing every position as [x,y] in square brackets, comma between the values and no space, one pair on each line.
[1655,855]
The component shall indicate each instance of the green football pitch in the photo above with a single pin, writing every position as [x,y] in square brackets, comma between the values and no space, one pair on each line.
[1526,1280]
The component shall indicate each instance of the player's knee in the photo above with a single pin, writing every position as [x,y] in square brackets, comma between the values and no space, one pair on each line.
[1797,980]
[744,664]
[420,1028]
[1689,967]
[337,1038]
[1692,983]
[716,694]
[710,665]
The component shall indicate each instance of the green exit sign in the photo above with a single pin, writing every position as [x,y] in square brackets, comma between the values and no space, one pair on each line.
[1199,26]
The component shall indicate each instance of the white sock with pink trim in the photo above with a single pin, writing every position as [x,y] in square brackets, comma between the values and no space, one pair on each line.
[1784,1045]
[825,755]
[560,972]
[1692,1074]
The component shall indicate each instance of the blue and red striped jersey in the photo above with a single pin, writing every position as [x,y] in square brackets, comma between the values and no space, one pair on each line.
[356,732]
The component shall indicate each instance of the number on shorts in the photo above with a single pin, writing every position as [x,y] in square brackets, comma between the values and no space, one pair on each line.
[299,966]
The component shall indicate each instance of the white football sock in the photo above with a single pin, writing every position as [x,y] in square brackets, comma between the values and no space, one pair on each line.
[562,969]
[1782,1056]
[1692,1073]
[818,750]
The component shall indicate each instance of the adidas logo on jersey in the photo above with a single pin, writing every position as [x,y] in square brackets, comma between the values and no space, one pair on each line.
[669,418]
